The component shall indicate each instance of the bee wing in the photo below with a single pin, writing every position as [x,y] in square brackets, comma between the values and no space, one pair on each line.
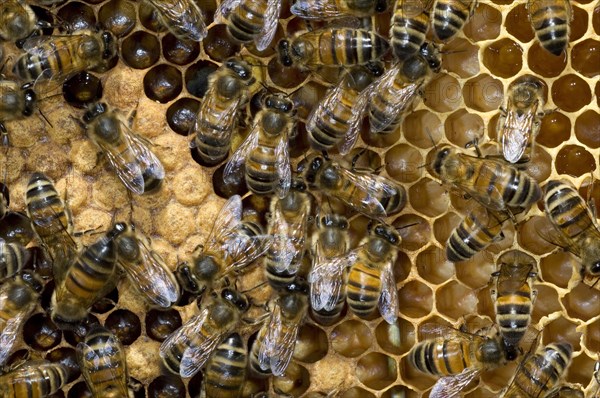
[225,8]
[283,167]
[375,185]
[130,173]
[184,18]
[388,300]
[451,386]
[244,250]
[239,157]
[358,112]
[515,133]
[227,116]
[316,9]
[269,28]
[552,234]
[332,97]
[327,279]
[283,246]
[96,361]
[11,328]
[151,165]
[278,346]
[434,330]
[414,8]
[225,226]
[45,46]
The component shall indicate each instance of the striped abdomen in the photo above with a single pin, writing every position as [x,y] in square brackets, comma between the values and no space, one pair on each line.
[226,370]
[19,297]
[363,288]
[441,357]
[13,257]
[513,313]
[246,21]
[261,175]
[34,380]
[566,209]
[408,29]
[449,17]
[381,118]
[254,364]
[475,232]
[550,20]
[46,209]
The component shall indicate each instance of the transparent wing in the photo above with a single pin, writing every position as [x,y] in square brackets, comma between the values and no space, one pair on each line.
[46,46]
[374,185]
[451,386]
[283,167]
[149,163]
[226,225]
[243,250]
[486,194]
[316,9]
[358,112]
[183,18]
[516,132]
[327,279]
[24,373]
[278,345]
[233,166]
[11,327]
[283,246]
[270,25]
[552,234]
[414,8]
[109,363]
[400,99]
[388,301]
[331,98]
[434,330]
[225,8]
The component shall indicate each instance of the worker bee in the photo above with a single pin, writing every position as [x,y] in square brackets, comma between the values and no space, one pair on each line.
[188,349]
[540,372]
[183,18]
[233,243]
[147,271]
[18,21]
[520,121]
[449,17]
[550,20]
[513,296]
[335,122]
[373,195]
[457,357]
[274,345]
[136,165]
[410,22]
[18,298]
[102,360]
[331,240]
[57,58]
[325,9]
[226,369]
[397,90]
[265,151]
[86,280]
[491,182]
[332,47]
[575,225]
[288,222]
[217,117]
[249,21]
[13,257]
[34,379]
[16,102]
[479,229]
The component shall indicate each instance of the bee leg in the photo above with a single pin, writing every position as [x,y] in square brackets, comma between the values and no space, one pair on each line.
[4,136]
[475,145]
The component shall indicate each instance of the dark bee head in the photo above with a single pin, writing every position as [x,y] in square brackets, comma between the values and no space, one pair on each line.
[511,352]
[381,6]
[430,52]
[109,45]
[117,230]
[299,285]
[186,278]
[298,184]
[239,68]
[385,232]
[333,221]
[95,110]
[310,166]
[279,103]
[436,159]
[20,294]
[414,68]
[236,298]
[205,268]
[33,280]
[283,47]
[30,99]
[526,90]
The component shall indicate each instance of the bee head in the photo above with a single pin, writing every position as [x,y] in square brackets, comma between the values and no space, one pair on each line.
[239,68]
[117,230]
[186,278]
[33,280]
[381,6]
[310,166]
[283,47]
[30,99]
[279,103]
[235,298]
[436,159]
[385,232]
[431,54]
[95,110]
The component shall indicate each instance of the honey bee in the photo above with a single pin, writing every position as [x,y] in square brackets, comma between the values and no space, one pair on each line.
[491,182]
[520,121]
[513,296]
[147,271]
[226,369]
[188,349]
[457,357]
[373,195]
[227,93]
[576,228]
[35,379]
[136,165]
[17,20]
[56,58]
[540,372]
[449,17]
[335,122]
[183,18]
[331,240]
[325,9]
[397,90]
[249,21]
[102,360]
[479,229]
[233,243]
[550,20]
[408,30]
[18,298]
[332,47]
[86,280]
[16,102]
[274,345]
[288,224]
[13,257]
[265,151]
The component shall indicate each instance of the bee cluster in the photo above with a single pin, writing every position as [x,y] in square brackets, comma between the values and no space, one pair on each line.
[347,269]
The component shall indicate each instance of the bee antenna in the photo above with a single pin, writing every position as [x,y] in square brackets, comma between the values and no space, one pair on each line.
[453,52]
[45,118]
[325,154]
[407,226]
[255,287]
[431,138]
[266,87]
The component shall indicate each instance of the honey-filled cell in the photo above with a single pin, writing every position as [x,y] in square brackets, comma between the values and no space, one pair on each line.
[181,115]
[140,50]
[163,83]
[422,129]
[517,23]
[596,19]
[461,57]
[585,56]
[587,128]
[539,166]
[476,271]
[294,382]
[376,370]
[455,300]
[433,266]
[547,302]
[286,76]
[219,45]
[484,24]
[582,302]
[76,16]
[179,52]
[592,334]
[403,163]
[557,268]
[118,16]
[428,197]
[581,370]
[554,129]
[571,93]
[196,77]
[562,329]
[443,93]
[504,58]
[125,325]
[414,230]
[40,333]
[579,24]
[351,338]
[311,344]
[161,323]
[82,90]
[415,299]
[543,63]
[574,160]
[165,386]
[464,128]
[483,93]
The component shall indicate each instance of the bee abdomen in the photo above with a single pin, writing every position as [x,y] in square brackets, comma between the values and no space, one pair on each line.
[522,190]
[260,172]
[449,17]
[12,258]
[551,25]
[407,35]
[363,290]
[226,371]
[246,21]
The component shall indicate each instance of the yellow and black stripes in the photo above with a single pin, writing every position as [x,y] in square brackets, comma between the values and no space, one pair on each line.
[408,31]
[567,209]
[226,370]
[449,16]
[37,379]
[474,233]
[550,20]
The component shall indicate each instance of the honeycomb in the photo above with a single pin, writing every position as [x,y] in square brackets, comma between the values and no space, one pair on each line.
[163,79]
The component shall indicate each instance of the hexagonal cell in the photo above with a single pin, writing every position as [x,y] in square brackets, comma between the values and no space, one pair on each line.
[40,333]
[179,52]
[433,266]
[484,24]
[79,390]
[118,16]
[587,128]
[226,189]
[539,166]
[77,16]
[584,57]
[443,226]
[596,20]
[483,93]
[161,323]
[545,304]
[592,334]
[294,382]
[571,93]
[428,197]
[195,384]
[166,386]
[402,163]
[82,89]
[415,299]
[140,50]
[362,159]
[443,93]
[399,392]
[504,58]
[463,128]
[357,392]
[422,128]
[415,236]
[218,45]
[530,235]
[181,115]
[581,302]
[68,357]
[544,63]
[379,140]
[461,57]
[455,300]
[351,338]
[311,344]
[574,160]
[579,24]
[554,130]
[125,325]
[517,23]
[557,268]
[286,77]
[376,370]
[476,271]
[307,97]
[196,77]
[163,83]
[581,370]
[481,392]
[149,18]
[561,329]
[485,304]
[395,339]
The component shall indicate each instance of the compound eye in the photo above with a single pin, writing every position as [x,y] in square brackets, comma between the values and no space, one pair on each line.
[595,268]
